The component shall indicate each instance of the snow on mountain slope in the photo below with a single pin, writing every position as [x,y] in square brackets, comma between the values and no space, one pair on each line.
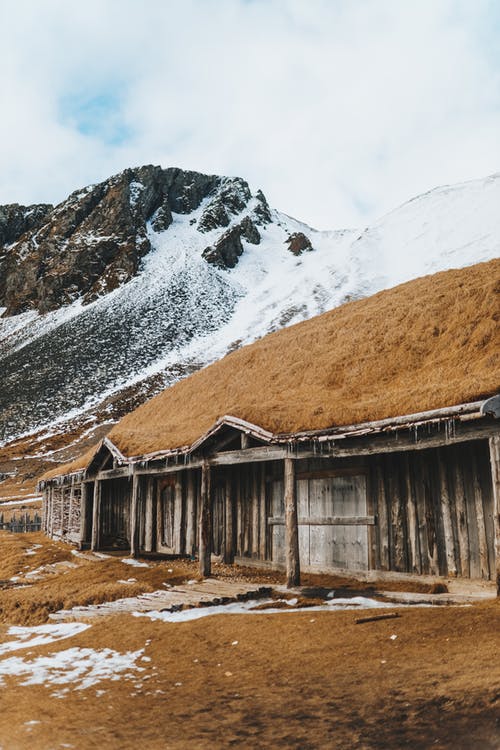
[180,312]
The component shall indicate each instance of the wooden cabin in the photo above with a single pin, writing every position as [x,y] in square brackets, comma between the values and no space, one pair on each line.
[364,440]
[416,495]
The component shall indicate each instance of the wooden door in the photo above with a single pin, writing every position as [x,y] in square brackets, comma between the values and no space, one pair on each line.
[338,530]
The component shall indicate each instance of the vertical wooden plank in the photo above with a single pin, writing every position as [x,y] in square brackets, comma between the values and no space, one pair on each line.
[481,528]
[414,565]
[382,517]
[397,515]
[205,523]
[446,515]
[302,490]
[70,508]
[133,520]
[178,515]
[148,513]
[461,514]
[262,514]
[50,519]
[247,528]
[228,530]
[84,500]
[291,526]
[190,513]
[96,515]
[255,510]
[494,444]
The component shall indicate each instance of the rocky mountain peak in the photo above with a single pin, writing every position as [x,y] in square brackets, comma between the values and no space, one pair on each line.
[94,241]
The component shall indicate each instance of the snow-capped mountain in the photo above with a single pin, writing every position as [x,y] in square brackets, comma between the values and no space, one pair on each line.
[132,283]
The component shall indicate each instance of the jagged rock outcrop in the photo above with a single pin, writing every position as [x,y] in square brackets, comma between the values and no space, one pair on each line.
[298,243]
[15,220]
[228,248]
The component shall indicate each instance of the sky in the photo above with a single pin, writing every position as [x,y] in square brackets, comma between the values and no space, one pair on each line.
[339,110]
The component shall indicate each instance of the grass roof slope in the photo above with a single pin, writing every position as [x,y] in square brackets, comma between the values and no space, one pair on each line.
[429,343]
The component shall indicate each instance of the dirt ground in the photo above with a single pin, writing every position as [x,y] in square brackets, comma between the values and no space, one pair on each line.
[302,679]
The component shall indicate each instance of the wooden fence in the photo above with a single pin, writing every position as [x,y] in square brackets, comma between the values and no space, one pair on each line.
[22,524]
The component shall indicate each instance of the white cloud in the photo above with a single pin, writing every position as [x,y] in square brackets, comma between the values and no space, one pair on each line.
[338,109]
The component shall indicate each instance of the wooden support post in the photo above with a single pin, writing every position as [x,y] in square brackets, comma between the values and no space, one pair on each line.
[134,517]
[205,524]
[96,516]
[178,515]
[228,532]
[148,521]
[291,527]
[495,475]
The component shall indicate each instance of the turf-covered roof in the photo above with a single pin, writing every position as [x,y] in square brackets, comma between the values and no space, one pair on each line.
[430,343]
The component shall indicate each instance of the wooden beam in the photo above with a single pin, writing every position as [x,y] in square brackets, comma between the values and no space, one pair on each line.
[495,475]
[134,517]
[96,516]
[291,526]
[249,455]
[370,446]
[205,523]
[325,521]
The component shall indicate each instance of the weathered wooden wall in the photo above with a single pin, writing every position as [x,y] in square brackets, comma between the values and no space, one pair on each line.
[61,510]
[424,511]
[434,511]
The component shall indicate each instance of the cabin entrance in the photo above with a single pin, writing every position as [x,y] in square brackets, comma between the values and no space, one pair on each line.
[332,519]
[115,514]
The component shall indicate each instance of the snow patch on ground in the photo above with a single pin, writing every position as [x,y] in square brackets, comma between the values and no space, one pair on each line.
[41,635]
[134,563]
[80,668]
[250,607]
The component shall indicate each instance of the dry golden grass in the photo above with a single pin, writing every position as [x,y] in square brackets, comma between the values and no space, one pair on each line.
[301,680]
[429,343]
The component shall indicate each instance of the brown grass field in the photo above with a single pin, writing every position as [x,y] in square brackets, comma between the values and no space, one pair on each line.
[426,344]
[296,680]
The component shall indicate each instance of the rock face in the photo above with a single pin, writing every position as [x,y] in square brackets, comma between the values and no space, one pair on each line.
[228,248]
[298,243]
[94,241]
[15,220]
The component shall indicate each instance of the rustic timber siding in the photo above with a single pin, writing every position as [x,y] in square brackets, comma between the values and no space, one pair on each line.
[62,511]
[407,501]
[435,511]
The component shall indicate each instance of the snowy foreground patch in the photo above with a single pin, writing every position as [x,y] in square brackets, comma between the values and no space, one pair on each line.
[80,667]
[73,668]
[253,608]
